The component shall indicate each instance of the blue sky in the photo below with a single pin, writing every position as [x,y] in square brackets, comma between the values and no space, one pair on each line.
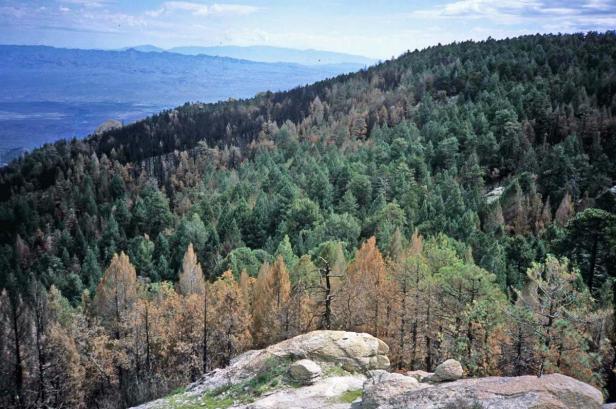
[375,28]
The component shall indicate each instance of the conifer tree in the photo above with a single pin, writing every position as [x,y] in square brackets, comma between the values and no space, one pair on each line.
[362,303]
[554,301]
[271,301]
[65,375]
[565,210]
[231,319]
[193,286]
[14,323]
[115,296]
[331,264]
[590,240]
[191,276]
[116,293]
[247,284]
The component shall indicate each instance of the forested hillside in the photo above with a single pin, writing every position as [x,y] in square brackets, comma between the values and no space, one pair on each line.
[457,201]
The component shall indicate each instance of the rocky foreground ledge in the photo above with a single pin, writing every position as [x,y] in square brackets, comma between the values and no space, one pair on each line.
[337,369]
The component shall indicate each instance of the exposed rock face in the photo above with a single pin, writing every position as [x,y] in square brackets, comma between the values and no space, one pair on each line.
[108,125]
[381,385]
[494,195]
[355,352]
[315,360]
[553,391]
[450,370]
[325,393]
[305,371]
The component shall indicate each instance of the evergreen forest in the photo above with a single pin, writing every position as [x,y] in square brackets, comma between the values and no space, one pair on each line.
[457,202]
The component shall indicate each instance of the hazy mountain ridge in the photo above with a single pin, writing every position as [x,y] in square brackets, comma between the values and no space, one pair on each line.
[53,93]
[277,54]
[263,53]
[45,73]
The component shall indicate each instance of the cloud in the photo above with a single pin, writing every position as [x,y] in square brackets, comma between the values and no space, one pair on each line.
[87,3]
[169,23]
[600,5]
[573,15]
[470,8]
[199,9]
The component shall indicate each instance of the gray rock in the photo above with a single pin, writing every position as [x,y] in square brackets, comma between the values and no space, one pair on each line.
[494,195]
[450,370]
[325,393]
[355,352]
[365,354]
[381,385]
[420,375]
[305,371]
[552,391]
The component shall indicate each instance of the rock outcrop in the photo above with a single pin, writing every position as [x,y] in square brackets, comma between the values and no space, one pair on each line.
[381,385]
[553,391]
[305,372]
[450,370]
[328,393]
[108,125]
[354,352]
[420,375]
[346,370]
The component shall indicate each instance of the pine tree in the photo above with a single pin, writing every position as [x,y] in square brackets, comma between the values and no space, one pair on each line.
[553,299]
[285,250]
[565,210]
[115,296]
[116,293]
[191,276]
[331,264]
[362,302]
[247,284]
[64,377]
[589,241]
[271,301]
[494,220]
[193,286]
[15,323]
[91,270]
[231,319]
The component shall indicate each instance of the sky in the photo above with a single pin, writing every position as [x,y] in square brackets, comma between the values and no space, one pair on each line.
[373,28]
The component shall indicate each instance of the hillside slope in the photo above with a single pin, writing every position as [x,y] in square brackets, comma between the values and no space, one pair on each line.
[456,202]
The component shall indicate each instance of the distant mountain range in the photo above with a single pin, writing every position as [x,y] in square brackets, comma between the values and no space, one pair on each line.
[263,53]
[52,93]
